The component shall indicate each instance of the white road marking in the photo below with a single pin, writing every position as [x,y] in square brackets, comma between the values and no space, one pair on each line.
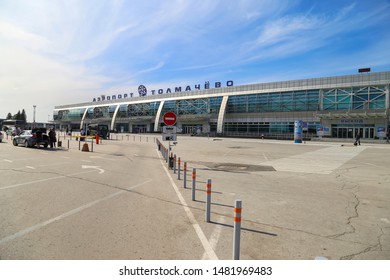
[102,158]
[67,214]
[101,170]
[7,160]
[30,167]
[44,180]
[385,220]
[214,238]
[202,237]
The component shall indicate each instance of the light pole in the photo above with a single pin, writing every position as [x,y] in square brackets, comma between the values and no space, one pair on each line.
[35,106]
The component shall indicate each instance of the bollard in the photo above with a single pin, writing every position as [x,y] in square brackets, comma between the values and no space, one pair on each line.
[122,137]
[133,138]
[185,175]
[174,164]
[208,200]
[68,144]
[237,229]
[97,138]
[91,145]
[193,183]
[178,169]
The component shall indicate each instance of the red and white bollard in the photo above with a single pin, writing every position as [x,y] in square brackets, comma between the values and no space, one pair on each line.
[193,183]
[237,229]
[185,175]
[208,200]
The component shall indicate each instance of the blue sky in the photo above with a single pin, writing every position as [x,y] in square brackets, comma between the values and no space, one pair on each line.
[70,51]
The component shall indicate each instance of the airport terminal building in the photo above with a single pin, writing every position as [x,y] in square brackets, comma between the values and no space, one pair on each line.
[338,107]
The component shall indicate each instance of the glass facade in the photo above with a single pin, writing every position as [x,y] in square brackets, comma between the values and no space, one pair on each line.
[258,128]
[356,98]
[193,106]
[69,115]
[290,101]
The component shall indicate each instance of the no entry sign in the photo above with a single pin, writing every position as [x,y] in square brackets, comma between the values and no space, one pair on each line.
[169,118]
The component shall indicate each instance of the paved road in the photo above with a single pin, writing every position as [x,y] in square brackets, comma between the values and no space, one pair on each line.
[120,202]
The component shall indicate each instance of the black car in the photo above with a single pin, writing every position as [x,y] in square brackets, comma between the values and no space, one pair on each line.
[31,138]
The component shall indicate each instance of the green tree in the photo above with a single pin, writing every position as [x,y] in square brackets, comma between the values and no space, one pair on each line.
[17,116]
[9,116]
[23,116]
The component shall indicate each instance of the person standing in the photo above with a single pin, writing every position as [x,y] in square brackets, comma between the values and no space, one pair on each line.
[52,138]
[357,139]
[387,137]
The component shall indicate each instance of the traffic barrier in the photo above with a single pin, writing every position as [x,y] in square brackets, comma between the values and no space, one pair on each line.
[237,229]
[193,183]
[178,169]
[185,175]
[208,200]
[85,148]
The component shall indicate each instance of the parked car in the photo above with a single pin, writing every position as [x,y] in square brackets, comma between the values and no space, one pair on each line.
[1,136]
[30,138]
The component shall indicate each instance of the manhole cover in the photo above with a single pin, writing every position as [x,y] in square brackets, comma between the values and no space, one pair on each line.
[231,167]
[242,167]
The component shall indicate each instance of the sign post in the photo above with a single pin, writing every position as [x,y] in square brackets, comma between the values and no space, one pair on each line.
[169,132]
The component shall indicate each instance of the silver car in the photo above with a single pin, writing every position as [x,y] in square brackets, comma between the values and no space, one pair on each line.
[30,138]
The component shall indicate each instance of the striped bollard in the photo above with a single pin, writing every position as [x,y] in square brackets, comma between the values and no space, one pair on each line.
[193,183]
[178,169]
[208,200]
[185,175]
[237,229]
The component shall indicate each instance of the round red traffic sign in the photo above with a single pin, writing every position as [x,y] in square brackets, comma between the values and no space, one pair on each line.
[169,118]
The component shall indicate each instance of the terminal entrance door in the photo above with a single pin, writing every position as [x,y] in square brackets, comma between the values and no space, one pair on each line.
[351,132]
[192,129]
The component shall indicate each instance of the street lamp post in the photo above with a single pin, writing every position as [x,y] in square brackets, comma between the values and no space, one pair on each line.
[35,106]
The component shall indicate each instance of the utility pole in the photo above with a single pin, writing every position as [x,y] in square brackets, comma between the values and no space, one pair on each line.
[35,106]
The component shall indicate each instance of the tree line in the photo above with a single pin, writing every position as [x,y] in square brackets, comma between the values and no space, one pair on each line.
[20,116]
